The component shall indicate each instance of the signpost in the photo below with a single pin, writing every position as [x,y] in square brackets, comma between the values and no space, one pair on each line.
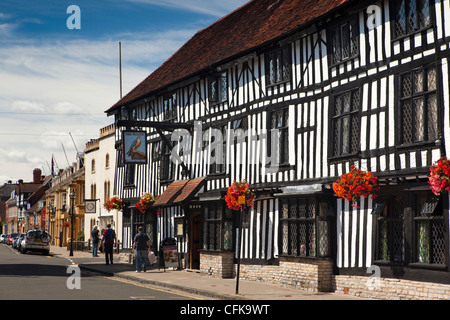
[241,202]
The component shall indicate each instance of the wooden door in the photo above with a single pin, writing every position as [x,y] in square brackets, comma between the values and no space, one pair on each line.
[195,241]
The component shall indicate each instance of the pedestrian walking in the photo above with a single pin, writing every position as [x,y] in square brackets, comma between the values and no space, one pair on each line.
[95,241]
[141,245]
[108,241]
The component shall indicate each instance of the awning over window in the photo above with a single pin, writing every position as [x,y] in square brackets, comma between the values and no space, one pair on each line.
[180,191]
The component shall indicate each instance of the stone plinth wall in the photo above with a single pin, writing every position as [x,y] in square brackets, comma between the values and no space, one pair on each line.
[304,274]
[389,288]
[217,264]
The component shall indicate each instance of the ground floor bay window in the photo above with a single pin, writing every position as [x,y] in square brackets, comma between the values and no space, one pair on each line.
[305,227]
[411,230]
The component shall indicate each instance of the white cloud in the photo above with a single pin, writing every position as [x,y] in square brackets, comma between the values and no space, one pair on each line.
[41,80]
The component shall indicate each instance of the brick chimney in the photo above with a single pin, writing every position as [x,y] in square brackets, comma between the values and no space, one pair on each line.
[37,175]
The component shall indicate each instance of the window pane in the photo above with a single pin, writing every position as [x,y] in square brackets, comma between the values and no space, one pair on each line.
[438,242]
[337,45]
[431,79]
[432,117]
[412,22]
[223,86]
[338,105]
[423,248]
[407,122]
[406,86]
[353,31]
[424,13]
[347,101]
[400,19]
[345,37]
[418,81]
[355,134]
[345,135]
[337,132]
[419,120]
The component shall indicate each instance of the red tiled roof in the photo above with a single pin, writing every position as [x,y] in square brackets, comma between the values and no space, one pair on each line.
[179,191]
[250,26]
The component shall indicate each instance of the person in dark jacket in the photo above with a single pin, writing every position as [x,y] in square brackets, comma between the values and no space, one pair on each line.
[108,241]
[95,240]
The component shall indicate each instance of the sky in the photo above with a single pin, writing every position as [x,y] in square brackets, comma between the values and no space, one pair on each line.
[59,69]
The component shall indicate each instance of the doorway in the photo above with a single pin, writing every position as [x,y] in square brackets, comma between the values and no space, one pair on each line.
[195,241]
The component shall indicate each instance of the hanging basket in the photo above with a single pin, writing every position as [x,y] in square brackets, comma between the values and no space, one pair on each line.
[113,203]
[146,201]
[239,196]
[356,184]
[439,177]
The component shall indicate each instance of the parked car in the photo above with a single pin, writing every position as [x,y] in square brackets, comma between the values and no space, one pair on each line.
[11,238]
[36,240]
[3,238]
[18,241]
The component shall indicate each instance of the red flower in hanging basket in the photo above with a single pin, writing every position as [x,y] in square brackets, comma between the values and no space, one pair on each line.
[439,177]
[113,203]
[356,184]
[236,190]
[146,201]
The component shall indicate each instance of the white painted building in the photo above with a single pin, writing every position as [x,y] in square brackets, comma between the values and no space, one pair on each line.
[100,159]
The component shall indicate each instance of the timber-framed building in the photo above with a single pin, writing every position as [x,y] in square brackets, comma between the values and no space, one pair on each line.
[344,83]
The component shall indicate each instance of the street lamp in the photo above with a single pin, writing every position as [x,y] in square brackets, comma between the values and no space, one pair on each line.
[72,197]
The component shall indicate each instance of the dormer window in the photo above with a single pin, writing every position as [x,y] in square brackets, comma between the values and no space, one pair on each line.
[411,16]
[278,65]
[344,41]
[218,88]
[170,107]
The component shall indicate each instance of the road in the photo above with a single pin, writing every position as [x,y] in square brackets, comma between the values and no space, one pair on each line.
[34,276]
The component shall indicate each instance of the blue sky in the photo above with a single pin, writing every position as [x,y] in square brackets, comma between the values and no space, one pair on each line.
[55,81]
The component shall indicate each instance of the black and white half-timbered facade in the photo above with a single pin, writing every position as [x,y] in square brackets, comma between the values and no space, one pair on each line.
[288,95]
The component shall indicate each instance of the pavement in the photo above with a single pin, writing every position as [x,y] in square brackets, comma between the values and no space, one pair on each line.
[191,281]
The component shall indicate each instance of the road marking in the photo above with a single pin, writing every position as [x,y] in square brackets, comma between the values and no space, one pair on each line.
[151,287]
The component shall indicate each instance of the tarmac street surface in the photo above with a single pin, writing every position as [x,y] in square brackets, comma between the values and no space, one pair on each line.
[194,283]
[34,276]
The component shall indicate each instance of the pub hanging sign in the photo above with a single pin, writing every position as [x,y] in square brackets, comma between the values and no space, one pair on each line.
[134,147]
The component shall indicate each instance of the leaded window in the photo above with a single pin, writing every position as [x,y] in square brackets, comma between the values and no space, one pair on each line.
[157,148]
[279,120]
[305,227]
[346,124]
[278,65]
[344,41]
[130,170]
[218,88]
[430,229]
[219,151]
[418,106]
[167,167]
[170,107]
[411,16]
[390,229]
[217,227]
